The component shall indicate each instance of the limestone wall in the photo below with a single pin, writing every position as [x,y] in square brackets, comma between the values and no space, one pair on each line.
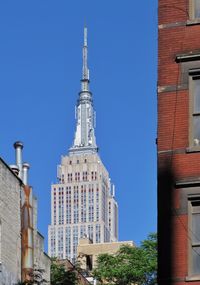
[10,226]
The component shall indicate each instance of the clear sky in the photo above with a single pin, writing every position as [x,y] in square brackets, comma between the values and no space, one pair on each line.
[40,71]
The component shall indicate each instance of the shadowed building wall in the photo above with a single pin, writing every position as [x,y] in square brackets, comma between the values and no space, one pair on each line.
[178,142]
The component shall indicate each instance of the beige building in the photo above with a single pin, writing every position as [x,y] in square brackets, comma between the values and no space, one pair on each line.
[88,252]
[82,205]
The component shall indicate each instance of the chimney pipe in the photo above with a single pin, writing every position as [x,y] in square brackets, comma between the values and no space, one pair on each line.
[18,156]
[15,169]
[25,168]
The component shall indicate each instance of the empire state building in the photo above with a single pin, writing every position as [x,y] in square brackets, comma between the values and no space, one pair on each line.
[83,201]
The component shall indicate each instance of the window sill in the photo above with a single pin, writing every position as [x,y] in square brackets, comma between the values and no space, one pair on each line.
[193,149]
[193,22]
[192,278]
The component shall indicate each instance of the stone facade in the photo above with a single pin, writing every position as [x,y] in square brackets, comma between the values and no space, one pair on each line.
[82,204]
[88,252]
[10,226]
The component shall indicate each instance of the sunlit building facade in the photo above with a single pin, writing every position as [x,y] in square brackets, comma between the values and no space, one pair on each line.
[83,201]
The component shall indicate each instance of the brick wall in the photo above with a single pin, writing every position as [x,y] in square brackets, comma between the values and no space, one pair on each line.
[177,166]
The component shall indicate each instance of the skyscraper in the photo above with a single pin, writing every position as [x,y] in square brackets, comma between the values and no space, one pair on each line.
[83,201]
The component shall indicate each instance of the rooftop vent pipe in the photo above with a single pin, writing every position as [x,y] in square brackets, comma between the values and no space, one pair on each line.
[25,168]
[18,156]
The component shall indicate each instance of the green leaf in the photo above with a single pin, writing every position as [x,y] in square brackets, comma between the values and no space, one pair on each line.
[130,265]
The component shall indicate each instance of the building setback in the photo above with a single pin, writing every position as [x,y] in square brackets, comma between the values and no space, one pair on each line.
[83,201]
[178,142]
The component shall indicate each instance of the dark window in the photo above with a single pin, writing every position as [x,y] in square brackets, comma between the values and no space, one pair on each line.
[194,108]
[89,262]
[194,225]
[196,8]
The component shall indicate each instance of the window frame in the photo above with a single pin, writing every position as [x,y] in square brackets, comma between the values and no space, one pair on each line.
[194,74]
[192,244]
[192,11]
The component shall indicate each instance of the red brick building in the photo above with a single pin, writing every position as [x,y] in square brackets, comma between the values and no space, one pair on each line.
[179,142]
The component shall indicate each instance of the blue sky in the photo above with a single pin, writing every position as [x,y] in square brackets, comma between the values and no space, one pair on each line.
[40,71]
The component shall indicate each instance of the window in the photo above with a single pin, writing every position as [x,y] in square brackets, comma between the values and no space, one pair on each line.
[68,205]
[195,108]
[53,242]
[69,177]
[83,203]
[194,226]
[93,175]
[75,242]
[76,205]
[60,243]
[77,176]
[63,179]
[68,242]
[89,262]
[90,232]
[83,231]
[190,78]
[98,233]
[195,9]
[85,177]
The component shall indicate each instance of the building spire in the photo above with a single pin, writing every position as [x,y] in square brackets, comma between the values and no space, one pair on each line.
[84,140]
[85,75]
[85,36]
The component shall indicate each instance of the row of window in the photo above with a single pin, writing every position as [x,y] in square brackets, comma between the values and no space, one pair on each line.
[78,177]
[78,161]
[69,190]
[77,217]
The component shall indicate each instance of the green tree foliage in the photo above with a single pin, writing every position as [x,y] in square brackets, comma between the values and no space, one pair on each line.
[130,265]
[61,276]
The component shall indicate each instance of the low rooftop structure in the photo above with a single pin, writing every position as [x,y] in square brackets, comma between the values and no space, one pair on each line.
[88,252]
